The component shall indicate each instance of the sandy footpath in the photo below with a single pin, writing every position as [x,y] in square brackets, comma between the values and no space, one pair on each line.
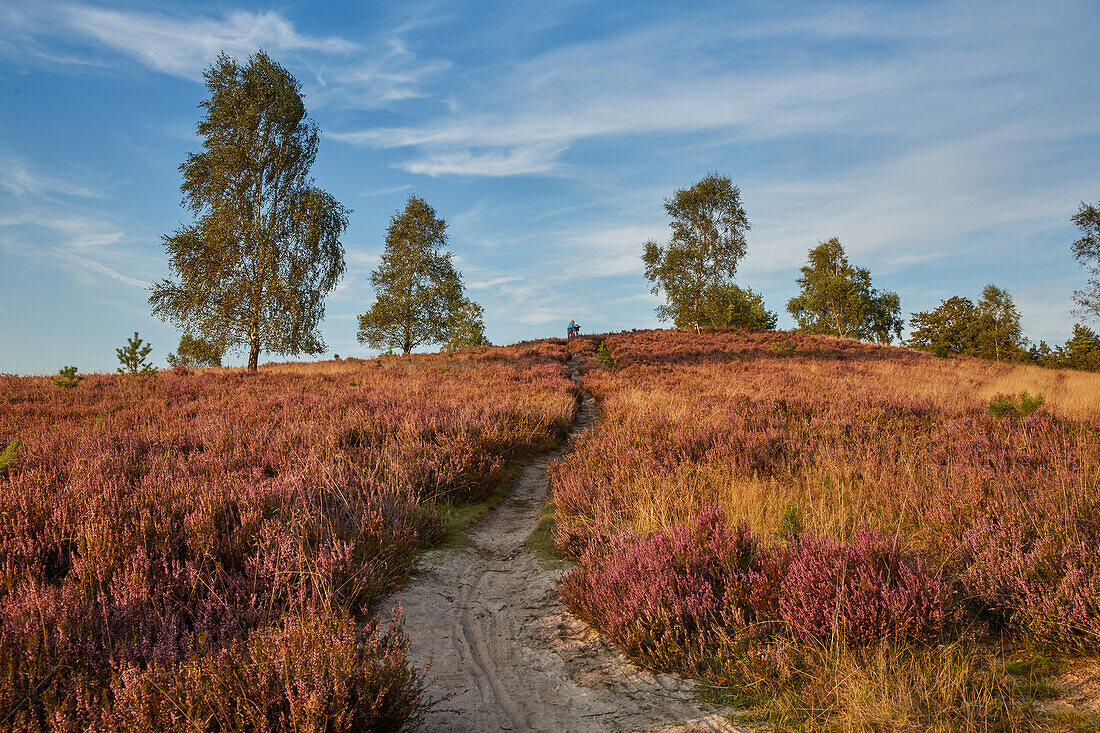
[509,654]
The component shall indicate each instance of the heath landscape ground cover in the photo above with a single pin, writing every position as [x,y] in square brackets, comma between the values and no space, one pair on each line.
[834,533]
[206,550]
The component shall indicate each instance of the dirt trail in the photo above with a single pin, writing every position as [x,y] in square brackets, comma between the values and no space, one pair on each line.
[509,653]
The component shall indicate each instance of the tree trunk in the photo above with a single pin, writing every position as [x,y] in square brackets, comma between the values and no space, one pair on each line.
[254,355]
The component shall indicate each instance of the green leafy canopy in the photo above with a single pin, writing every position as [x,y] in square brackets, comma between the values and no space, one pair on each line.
[253,269]
[838,299]
[696,268]
[420,298]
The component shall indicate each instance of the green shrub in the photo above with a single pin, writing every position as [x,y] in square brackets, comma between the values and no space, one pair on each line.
[1005,405]
[783,346]
[7,456]
[67,378]
[790,524]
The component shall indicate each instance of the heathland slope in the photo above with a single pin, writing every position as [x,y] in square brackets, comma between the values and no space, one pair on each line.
[204,550]
[836,533]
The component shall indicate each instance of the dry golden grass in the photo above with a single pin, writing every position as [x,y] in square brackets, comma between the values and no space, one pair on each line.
[960,382]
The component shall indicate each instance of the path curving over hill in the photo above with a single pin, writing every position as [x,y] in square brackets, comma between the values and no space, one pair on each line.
[509,654]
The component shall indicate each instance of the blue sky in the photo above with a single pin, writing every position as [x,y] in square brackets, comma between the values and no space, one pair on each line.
[945,144]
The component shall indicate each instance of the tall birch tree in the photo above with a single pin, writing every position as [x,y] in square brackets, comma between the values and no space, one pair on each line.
[253,269]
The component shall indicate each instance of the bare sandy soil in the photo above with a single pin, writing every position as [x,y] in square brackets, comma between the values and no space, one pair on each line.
[507,653]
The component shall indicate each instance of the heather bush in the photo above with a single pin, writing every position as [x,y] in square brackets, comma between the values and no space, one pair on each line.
[1042,583]
[863,591]
[648,593]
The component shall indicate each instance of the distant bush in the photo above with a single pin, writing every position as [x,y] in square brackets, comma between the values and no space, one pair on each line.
[67,378]
[132,357]
[196,352]
[783,346]
[1022,405]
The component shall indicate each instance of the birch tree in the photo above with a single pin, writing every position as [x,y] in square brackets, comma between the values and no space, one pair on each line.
[838,299]
[700,260]
[253,269]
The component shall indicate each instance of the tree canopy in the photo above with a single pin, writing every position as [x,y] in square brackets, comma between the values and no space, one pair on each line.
[1086,250]
[420,298]
[989,329]
[947,329]
[195,352]
[700,260]
[1081,351]
[837,298]
[731,306]
[264,250]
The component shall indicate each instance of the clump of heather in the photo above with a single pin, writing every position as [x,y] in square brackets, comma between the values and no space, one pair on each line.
[208,546]
[655,593]
[1044,584]
[647,593]
[863,591]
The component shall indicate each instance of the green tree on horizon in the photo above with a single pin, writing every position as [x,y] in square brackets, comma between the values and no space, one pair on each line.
[732,306]
[197,352]
[998,335]
[946,329]
[838,299]
[254,268]
[1086,251]
[697,266]
[419,296]
[989,329]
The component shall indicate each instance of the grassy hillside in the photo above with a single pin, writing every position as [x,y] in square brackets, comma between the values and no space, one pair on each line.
[837,534]
[205,550]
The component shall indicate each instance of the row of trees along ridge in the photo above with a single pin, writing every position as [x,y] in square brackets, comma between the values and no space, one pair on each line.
[253,269]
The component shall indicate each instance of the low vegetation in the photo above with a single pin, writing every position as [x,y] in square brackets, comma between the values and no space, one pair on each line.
[206,550]
[835,534]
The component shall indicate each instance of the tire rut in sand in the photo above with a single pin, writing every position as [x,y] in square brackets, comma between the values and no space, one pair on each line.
[510,656]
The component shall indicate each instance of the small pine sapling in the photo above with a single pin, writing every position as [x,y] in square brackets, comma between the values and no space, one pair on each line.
[67,378]
[790,524]
[603,355]
[132,357]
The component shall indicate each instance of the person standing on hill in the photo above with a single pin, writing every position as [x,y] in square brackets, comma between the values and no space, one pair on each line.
[572,329]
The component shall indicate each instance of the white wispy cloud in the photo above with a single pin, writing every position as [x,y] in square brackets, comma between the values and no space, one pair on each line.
[384,191]
[100,268]
[184,46]
[378,71]
[650,81]
[18,177]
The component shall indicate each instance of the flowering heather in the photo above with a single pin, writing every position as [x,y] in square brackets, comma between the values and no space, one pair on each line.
[647,592]
[200,549]
[853,436]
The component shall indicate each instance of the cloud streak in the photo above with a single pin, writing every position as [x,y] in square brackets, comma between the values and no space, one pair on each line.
[101,269]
